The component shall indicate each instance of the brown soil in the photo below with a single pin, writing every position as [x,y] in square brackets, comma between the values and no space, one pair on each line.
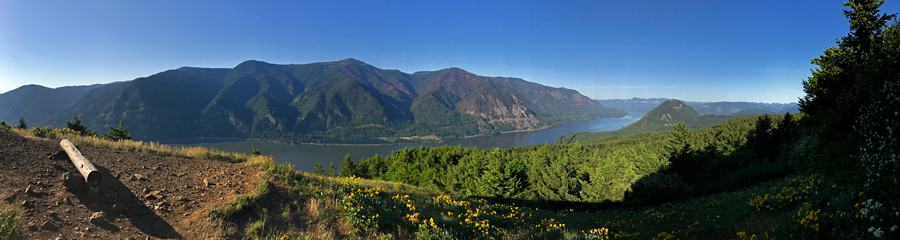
[143,196]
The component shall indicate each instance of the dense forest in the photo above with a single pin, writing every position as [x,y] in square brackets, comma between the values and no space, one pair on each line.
[681,162]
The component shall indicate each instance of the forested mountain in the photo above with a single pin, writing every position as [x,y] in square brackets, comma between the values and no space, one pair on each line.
[660,118]
[328,101]
[721,108]
[37,102]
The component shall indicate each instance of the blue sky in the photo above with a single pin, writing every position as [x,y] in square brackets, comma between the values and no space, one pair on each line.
[691,50]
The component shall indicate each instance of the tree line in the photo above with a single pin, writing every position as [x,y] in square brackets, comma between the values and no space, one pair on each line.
[635,169]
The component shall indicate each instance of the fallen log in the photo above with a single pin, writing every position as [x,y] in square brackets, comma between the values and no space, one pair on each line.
[90,173]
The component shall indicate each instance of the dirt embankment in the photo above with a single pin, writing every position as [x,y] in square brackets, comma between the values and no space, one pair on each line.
[141,196]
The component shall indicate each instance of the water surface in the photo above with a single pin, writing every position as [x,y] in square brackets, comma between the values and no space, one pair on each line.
[304,156]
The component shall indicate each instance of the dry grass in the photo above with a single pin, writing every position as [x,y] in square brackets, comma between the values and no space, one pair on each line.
[9,220]
[153,147]
[312,208]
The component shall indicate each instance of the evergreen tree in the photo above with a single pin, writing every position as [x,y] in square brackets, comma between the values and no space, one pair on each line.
[317,168]
[499,177]
[680,143]
[254,151]
[22,124]
[610,177]
[348,167]
[79,128]
[553,174]
[760,139]
[331,169]
[843,83]
[116,134]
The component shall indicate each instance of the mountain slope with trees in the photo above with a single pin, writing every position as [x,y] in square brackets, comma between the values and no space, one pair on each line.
[35,102]
[346,100]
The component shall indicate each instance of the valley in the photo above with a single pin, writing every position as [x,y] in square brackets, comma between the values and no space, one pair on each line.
[347,150]
[304,156]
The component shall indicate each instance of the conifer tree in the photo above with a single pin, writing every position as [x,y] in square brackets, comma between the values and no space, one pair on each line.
[331,169]
[117,134]
[22,124]
[79,128]
[317,168]
[839,87]
[348,167]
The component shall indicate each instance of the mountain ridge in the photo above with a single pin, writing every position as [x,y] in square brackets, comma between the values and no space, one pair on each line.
[720,108]
[321,102]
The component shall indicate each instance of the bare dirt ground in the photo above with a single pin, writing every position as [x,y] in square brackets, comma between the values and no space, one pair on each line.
[142,196]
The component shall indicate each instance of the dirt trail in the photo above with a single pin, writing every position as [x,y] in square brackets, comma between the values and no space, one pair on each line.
[143,196]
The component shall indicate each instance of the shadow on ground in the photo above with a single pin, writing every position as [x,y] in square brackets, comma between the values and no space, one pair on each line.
[118,201]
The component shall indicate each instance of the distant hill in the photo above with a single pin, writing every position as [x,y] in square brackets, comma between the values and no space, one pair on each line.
[661,118]
[633,104]
[726,108]
[316,102]
[721,108]
[34,103]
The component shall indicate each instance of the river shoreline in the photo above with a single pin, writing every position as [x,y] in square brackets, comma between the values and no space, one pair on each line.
[214,139]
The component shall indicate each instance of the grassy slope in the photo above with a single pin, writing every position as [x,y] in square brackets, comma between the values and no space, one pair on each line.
[290,204]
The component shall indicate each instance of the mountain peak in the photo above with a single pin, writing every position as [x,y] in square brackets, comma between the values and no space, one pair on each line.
[668,113]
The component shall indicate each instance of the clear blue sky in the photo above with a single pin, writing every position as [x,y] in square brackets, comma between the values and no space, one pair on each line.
[691,50]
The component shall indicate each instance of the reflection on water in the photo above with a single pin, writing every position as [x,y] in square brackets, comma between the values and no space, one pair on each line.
[303,156]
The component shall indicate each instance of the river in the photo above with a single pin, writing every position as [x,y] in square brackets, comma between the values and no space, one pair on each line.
[304,156]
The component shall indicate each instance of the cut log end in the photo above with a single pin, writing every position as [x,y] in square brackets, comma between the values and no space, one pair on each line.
[93,178]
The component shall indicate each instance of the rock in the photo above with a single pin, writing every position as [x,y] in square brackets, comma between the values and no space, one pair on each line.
[32,228]
[47,225]
[72,180]
[27,204]
[30,191]
[206,182]
[180,198]
[154,195]
[97,218]
[7,197]
[138,177]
